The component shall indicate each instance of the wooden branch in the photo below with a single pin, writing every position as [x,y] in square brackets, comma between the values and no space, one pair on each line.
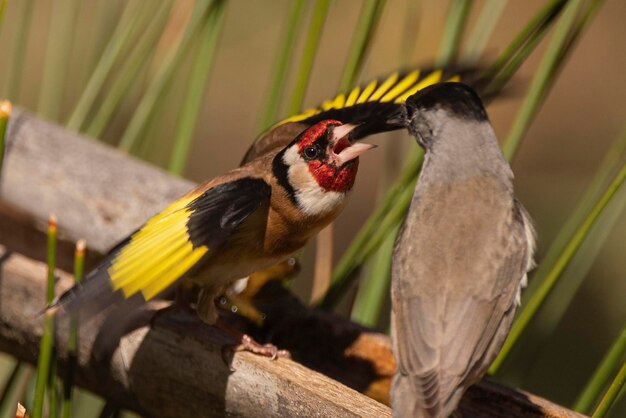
[171,364]
[97,192]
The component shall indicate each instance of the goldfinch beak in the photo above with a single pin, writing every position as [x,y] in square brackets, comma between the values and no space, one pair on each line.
[343,150]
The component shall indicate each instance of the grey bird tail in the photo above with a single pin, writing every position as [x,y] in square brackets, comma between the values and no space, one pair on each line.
[422,396]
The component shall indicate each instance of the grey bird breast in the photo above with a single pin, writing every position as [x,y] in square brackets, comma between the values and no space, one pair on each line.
[460,259]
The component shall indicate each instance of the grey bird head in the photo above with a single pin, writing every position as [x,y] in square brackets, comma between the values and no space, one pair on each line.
[427,109]
[460,257]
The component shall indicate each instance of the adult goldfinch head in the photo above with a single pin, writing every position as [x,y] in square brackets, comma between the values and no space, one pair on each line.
[318,168]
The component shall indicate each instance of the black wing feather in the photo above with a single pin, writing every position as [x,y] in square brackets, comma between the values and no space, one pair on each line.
[214,215]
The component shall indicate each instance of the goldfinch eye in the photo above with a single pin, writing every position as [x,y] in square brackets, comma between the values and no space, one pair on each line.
[311,153]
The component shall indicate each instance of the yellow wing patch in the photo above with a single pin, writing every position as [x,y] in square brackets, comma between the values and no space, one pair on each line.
[158,254]
[395,89]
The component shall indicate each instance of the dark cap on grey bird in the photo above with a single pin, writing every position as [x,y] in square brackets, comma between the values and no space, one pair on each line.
[460,259]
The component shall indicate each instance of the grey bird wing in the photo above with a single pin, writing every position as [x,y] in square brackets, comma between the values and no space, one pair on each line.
[458,266]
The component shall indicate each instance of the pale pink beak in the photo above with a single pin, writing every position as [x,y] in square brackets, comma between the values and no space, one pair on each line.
[342,149]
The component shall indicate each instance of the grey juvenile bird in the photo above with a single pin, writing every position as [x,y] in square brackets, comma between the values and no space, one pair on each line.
[460,259]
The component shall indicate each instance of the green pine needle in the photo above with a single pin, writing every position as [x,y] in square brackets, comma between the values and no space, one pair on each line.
[127,75]
[44,363]
[364,243]
[286,49]
[57,58]
[72,343]
[613,358]
[5,113]
[209,35]
[529,310]
[52,389]
[306,61]
[455,25]
[157,88]
[541,21]
[543,79]
[12,391]
[16,67]
[373,290]
[609,165]
[612,393]
[489,16]
[119,41]
[365,30]
[371,294]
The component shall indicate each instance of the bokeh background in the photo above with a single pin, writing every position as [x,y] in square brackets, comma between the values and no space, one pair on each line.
[581,117]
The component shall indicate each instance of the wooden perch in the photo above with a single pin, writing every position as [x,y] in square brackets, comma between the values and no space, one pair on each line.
[98,193]
[170,364]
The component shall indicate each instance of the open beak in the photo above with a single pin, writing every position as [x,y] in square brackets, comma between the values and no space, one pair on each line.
[343,149]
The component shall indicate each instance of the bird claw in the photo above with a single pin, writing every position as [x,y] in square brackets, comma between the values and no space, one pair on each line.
[267,350]
[249,344]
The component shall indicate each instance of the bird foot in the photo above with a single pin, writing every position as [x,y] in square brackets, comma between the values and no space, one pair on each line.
[247,343]
[267,350]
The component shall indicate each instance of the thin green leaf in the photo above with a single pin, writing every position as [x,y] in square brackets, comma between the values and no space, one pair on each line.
[354,256]
[197,86]
[364,243]
[72,343]
[119,41]
[542,20]
[137,58]
[583,23]
[365,30]
[10,382]
[106,14]
[455,25]
[52,390]
[16,68]
[374,282]
[609,165]
[369,300]
[491,11]
[364,33]
[12,388]
[543,79]
[568,27]
[27,390]
[554,309]
[410,31]
[5,113]
[57,58]
[612,393]
[516,61]
[393,219]
[44,363]
[157,87]
[372,290]
[308,55]
[51,258]
[530,309]
[387,217]
[600,378]
[286,49]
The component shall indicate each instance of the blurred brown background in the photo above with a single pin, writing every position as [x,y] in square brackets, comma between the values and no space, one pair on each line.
[582,115]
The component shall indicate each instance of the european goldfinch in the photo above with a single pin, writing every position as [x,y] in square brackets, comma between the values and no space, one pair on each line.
[293,181]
